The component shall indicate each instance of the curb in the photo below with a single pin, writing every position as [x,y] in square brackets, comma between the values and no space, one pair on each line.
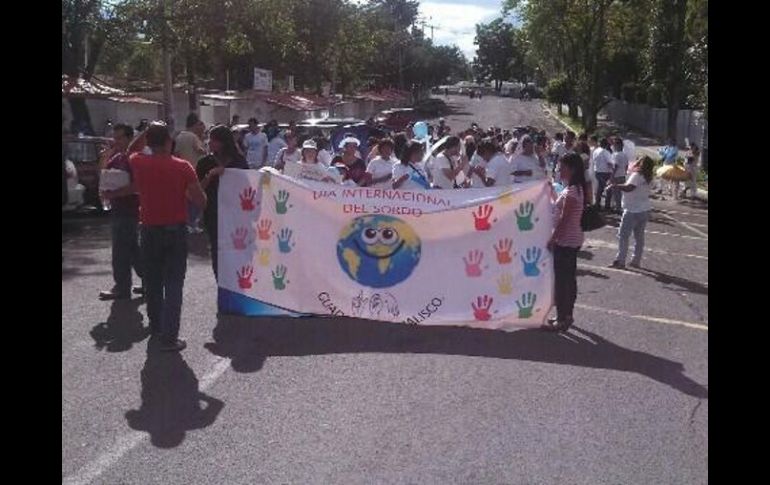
[701,192]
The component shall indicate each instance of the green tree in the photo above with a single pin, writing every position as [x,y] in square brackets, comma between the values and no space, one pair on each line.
[495,54]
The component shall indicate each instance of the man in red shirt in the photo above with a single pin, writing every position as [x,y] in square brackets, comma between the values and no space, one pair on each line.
[165,185]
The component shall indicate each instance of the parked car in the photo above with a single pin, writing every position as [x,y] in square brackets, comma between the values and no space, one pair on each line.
[430,108]
[83,153]
[396,119]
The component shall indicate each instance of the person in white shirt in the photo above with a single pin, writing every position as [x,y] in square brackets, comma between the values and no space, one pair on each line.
[381,166]
[256,145]
[274,143]
[309,168]
[407,175]
[619,168]
[324,155]
[526,166]
[636,212]
[288,154]
[448,164]
[558,150]
[189,146]
[496,171]
[602,164]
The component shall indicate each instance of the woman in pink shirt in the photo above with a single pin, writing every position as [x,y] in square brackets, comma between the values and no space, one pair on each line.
[566,240]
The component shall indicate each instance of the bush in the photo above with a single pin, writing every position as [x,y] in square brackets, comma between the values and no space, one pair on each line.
[557,91]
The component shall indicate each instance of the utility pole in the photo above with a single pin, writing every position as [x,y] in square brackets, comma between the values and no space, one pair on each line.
[168,93]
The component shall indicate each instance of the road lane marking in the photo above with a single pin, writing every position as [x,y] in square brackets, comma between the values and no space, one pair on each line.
[128,441]
[667,321]
[685,225]
[608,245]
[696,214]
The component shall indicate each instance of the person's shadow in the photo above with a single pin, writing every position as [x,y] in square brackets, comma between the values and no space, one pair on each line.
[123,327]
[171,401]
[249,341]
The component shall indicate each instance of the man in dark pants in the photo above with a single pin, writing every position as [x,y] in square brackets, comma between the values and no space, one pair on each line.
[165,184]
[125,223]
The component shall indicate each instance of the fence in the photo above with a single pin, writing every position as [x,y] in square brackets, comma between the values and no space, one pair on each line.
[653,121]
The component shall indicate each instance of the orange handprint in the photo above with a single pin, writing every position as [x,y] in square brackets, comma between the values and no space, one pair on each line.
[264,229]
[503,250]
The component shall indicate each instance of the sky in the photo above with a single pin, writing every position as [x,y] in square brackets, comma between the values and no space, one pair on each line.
[455,20]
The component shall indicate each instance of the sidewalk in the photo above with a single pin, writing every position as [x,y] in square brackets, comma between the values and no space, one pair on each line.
[645,144]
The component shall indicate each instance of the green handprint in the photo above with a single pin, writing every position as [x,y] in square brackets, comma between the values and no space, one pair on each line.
[526,303]
[280,202]
[524,216]
[279,273]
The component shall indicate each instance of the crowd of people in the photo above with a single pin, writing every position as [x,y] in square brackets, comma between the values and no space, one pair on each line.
[174,179]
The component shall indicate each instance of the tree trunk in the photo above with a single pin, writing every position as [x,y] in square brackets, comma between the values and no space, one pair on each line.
[559,109]
[81,118]
[192,94]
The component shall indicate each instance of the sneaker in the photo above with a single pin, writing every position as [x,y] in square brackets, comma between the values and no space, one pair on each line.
[138,290]
[113,295]
[634,265]
[175,346]
[617,265]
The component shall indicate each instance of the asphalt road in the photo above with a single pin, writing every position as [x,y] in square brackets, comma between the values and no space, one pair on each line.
[622,398]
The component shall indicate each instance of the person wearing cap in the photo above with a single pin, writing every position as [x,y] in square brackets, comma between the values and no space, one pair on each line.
[165,184]
[381,166]
[526,166]
[224,154]
[351,166]
[310,167]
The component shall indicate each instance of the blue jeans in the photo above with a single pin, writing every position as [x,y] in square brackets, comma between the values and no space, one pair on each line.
[165,257]
[125,251]
[616,195]
[601,182]
[632,222]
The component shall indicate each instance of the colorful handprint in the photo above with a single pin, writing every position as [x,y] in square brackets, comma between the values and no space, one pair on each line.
[279,274]
[481,308]
[530,260]
[240,238]
[505,284]
[264,257]
[244,277]
[284,240]
[263,229]
[473,263]
[247,199]
[280,201]
[524,216]
[481,217]
[526,303]
[503,250]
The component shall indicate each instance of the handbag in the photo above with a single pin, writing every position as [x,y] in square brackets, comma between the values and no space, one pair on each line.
[591,219]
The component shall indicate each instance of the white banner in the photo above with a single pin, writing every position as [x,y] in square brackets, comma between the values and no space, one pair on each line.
[263,79]
[473,257]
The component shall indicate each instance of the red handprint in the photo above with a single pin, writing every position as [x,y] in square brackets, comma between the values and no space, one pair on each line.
[503,250]
[264,229]
[481,307]
[473,263]
[244,277]
[239,238]
[481,217]
[247,199]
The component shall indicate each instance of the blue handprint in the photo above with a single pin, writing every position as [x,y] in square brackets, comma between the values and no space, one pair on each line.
[284,240]
[529,259]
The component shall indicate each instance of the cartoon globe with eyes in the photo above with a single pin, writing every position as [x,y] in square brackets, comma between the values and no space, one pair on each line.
[378,251]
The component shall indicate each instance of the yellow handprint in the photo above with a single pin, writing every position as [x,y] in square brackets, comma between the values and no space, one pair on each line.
[264,257]
[506,199]
[505,284]
[265,179]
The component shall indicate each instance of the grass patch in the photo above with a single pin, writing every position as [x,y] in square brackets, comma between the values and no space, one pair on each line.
[576,124]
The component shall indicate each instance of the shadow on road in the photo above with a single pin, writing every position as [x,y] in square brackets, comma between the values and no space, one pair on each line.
[691,286]
[248,342]
[123,327]
[171,401]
